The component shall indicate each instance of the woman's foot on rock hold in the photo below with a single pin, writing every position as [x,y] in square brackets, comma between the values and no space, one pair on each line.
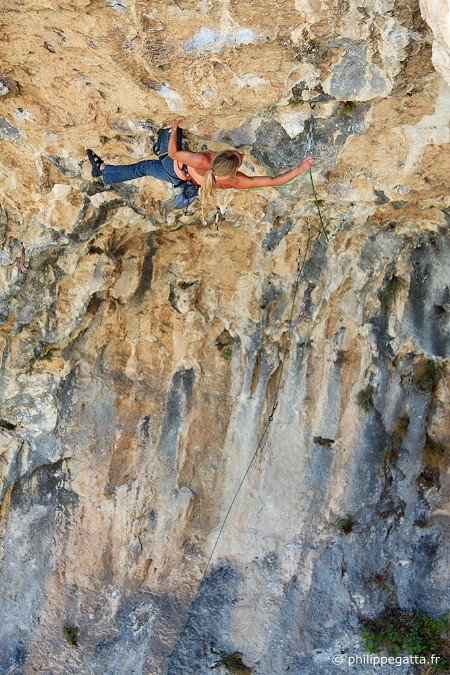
[96,163]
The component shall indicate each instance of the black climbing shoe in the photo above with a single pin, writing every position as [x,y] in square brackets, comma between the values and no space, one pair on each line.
[95,161]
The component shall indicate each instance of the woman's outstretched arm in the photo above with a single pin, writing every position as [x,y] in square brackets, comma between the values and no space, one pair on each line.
[241,181]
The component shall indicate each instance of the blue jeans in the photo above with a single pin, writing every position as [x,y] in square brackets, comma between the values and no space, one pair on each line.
[152,167]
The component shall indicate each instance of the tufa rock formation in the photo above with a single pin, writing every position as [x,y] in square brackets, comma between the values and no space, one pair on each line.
[145,357]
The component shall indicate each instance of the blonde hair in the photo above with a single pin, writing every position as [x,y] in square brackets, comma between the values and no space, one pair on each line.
[225,163]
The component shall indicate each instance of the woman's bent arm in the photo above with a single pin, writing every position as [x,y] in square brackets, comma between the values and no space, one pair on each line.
[194,159]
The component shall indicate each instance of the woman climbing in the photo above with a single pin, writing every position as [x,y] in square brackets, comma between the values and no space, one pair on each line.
[208,169]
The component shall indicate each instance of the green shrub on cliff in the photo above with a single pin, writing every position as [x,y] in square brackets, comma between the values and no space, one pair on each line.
[426,375]
[71,634]
[364,398]
[415,633]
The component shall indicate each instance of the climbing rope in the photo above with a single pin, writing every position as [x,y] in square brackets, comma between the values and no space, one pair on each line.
[301,261]
[309,151]
[322,224]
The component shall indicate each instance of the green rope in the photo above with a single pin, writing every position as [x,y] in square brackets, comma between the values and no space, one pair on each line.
[297,284]
[322,224]
[318,210]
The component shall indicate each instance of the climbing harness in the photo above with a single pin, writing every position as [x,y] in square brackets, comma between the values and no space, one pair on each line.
[189,186]
[189,191]
[189,178]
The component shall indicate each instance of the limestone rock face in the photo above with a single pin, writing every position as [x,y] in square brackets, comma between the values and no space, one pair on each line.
[150,362]
[437,15]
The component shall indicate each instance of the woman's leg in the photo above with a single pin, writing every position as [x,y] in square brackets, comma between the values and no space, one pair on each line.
[150,167]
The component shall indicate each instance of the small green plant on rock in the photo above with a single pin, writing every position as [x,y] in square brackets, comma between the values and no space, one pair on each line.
[390,454]
[388,458]
[435,454]
[345,525]
[389,294]
[364,398]
[4,424]
[348,107]
[400,430]
[45,357]
[224,343]
[71,634]
[233,662]
[414,632]
[48,356]
[426,375]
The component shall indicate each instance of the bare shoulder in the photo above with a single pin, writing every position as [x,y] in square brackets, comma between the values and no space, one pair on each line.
[200,160]
[195,159]
[240,181]
[226,182]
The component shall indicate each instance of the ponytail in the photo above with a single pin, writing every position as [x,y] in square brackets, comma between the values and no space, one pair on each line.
[207,190]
